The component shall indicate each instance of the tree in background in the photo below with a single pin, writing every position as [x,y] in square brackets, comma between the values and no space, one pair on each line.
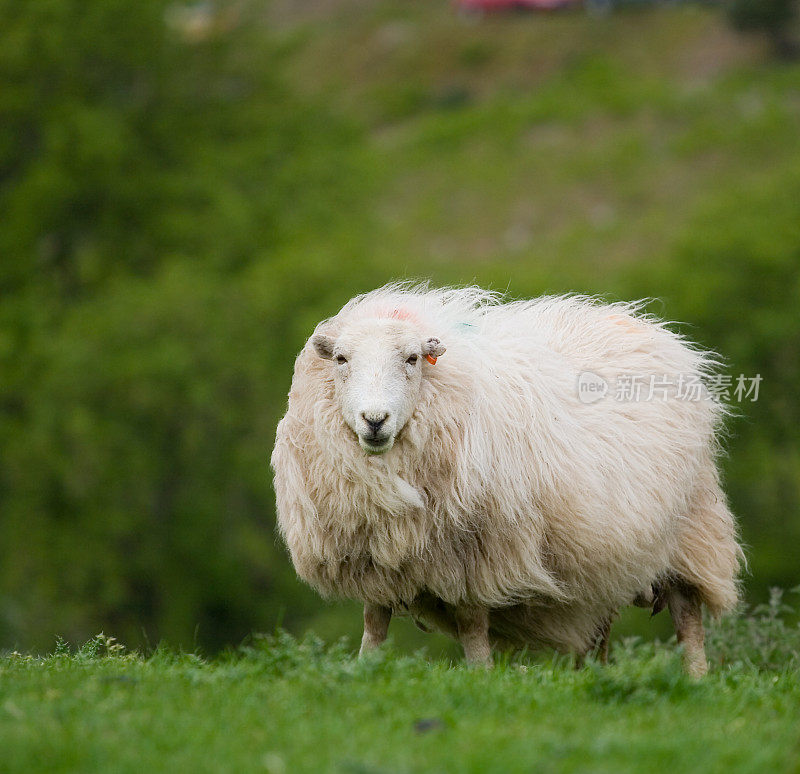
[175,218]
[157,182]
[773,17]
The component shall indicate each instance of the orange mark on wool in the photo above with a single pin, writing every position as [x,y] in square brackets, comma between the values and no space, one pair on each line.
[404,314]
[397,314]
[407,316]
[626,322]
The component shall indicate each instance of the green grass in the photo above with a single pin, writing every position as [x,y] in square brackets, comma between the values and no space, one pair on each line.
[279,705]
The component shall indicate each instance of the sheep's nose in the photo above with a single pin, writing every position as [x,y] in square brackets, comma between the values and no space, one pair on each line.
[374,421]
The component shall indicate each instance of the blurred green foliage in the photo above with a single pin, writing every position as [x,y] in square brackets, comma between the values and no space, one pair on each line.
[773,17]
[147,181]
[186,190]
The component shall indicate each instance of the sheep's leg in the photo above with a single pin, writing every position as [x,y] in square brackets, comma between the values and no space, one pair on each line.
[432,612]
[601,643]
[472,624]
[687,617]
[599,646]
[376,625]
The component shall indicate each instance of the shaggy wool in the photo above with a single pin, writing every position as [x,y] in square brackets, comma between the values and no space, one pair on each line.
[504,489]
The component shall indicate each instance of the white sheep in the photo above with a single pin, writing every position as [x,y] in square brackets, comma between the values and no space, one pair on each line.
[489,492]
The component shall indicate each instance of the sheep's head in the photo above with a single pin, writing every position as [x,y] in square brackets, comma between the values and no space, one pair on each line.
[378,373]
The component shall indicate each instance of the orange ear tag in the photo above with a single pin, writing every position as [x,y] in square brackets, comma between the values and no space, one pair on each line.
[432,360]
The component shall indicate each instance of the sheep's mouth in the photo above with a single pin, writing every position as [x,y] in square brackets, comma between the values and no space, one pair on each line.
[376,445]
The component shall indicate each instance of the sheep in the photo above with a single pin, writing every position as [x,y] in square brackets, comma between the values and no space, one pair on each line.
[438,459]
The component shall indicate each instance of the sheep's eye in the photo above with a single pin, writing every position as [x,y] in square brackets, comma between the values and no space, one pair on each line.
[341,359]
[411,360]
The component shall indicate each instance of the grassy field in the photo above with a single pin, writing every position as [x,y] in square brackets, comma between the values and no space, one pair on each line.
[279,705]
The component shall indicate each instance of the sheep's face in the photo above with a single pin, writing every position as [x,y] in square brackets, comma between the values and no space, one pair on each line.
[378,372]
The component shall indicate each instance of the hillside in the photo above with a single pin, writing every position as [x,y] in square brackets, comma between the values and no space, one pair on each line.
[652,153]
[525,149]
[181,209]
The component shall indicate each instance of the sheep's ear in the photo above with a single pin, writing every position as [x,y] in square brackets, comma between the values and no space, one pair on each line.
[432,347]
[323,345]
